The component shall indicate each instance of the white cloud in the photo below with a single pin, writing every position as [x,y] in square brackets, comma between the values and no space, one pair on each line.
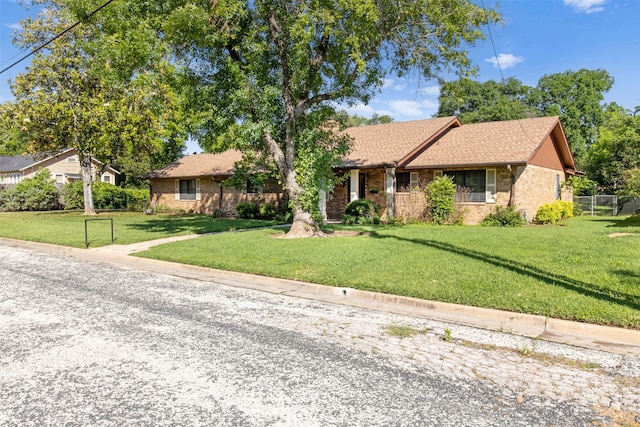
[430,90]
[361,110]
[14,26]
[394,84]
[505,60]
[407,108]
[586,6]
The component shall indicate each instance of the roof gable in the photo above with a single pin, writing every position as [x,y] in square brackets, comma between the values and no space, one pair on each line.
[494,143]
[390,143]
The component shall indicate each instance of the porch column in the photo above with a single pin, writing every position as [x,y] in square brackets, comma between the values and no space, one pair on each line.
[390,175]
[355,184]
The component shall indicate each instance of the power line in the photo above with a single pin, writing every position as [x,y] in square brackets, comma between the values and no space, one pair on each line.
[57,36]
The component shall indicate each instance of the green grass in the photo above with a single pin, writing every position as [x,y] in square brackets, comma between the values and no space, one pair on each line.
[68,228]
[570,271]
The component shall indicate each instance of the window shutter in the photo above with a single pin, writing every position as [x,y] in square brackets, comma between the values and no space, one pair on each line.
[177,189]
[491,190]
[413,181]
[197,189]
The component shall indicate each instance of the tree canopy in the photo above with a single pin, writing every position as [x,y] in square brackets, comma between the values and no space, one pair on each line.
[264,76]
[576,96]
[67,98]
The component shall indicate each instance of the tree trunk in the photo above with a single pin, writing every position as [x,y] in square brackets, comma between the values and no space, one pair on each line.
[303,224]
[85,167]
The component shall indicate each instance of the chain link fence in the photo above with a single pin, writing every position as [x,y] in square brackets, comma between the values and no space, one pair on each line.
[608,205]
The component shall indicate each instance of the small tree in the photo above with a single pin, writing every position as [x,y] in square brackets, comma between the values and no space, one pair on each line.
[440,194]
[631,183]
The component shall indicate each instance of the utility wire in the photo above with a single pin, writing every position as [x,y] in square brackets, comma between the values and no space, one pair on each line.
[495,53]
[57,36]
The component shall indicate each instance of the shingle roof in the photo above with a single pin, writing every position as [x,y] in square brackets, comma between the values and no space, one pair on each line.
[512,141]
[447,142]
[386,144]
[207,164]
[16,163]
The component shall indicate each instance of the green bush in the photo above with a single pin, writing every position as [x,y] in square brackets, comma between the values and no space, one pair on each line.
[108,196]
[362,211]
[72,196]
[267,211]
[105,196]
[550,213]
[31,194]
[137,199]
[247,210]
[504,217]
[440,194]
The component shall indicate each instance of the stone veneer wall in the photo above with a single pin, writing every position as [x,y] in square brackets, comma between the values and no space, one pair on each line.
[163,194]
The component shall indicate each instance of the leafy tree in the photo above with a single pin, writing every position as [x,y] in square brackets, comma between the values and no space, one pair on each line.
[356,120]
[13,142]
[631,183]
[475,102]
[575,96]
[616,150]
[264,76]
[69,98]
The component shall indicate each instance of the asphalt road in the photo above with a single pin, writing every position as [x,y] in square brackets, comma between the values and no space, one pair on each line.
[87,343]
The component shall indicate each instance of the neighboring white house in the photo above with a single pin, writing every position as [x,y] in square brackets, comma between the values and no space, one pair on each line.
[64,168]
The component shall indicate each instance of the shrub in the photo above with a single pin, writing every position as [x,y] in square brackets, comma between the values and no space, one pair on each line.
[504,217]
[440,194]
[362,211]
[267,211]
[32,194]
[108,196]
[137,199]
[72,196]
[551,213]
[247,210]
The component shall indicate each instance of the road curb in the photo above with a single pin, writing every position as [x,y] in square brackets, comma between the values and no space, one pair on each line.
[605,338]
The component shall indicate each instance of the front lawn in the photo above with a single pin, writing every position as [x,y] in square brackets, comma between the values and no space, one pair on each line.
[571,271]
[68,228]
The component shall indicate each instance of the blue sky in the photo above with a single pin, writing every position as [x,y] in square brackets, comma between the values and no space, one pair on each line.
[539,37]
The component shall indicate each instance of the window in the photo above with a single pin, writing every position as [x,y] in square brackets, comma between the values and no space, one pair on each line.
[481,183]
[406,181]
[187,189]
[403,181]
[106,178]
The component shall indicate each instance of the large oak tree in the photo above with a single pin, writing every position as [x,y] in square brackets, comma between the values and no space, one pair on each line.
[266,76]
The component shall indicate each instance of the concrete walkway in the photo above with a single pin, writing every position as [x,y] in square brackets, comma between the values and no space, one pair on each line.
[616,340]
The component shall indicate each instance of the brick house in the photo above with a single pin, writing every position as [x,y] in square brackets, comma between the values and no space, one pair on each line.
[64,168]
[523,163]
[194,184]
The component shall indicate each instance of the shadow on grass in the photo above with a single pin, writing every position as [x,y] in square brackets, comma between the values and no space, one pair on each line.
[584,288]
[631,221]
[196,224]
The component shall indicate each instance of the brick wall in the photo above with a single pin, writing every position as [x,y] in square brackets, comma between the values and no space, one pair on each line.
[536,186]
[163,194]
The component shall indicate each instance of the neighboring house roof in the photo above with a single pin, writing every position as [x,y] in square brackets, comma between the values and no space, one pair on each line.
[16,163]
[389,143]
[494,143]
[20,163]
[218,164]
